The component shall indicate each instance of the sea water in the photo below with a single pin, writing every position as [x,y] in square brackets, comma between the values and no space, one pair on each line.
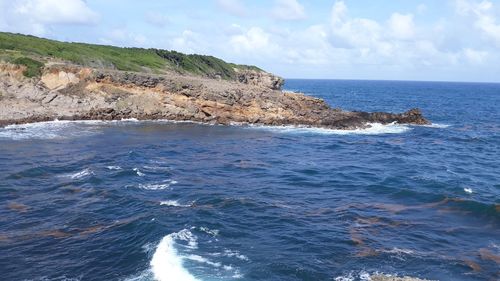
[161,200]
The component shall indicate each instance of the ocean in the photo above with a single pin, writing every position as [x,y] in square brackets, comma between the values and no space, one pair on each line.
[158,200]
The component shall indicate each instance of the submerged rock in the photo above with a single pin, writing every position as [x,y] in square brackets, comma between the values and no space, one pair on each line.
[69,92]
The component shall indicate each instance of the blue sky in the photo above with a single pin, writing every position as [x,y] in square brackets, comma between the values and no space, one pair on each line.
[447,40]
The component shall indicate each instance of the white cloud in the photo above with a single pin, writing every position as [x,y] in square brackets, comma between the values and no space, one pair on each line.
[394,42]
[39,16]
[234,7]
[345,44]
[252,40]
[288,10]
[402,26]
[189,42]
[349,32]
[484,17]
[475,56]
[56,11]
[339,12]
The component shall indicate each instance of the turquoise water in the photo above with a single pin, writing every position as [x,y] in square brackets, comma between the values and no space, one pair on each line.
[177,201]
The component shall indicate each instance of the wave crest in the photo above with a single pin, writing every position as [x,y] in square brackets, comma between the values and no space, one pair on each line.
[166,263]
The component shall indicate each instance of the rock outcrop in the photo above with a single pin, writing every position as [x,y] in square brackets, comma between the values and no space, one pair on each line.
[260,78]
[72,92]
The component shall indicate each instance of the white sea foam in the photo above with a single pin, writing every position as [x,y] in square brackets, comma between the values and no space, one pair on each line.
[166,263]
[169,257]
[138,172]
[399,251]
[236,254]
[157,186]
[59,129]
[173,203]
[374,129]
[114,168]
[231,254]
[212,232]
[50,130]
[156,168]
[126,120]
[201,259]
[436,125]
[352,276]
[401,254]
[79,175]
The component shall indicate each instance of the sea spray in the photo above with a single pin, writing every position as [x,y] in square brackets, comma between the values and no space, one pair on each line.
[166,263]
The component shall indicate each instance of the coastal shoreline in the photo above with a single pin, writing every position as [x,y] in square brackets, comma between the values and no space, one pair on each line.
[71,92]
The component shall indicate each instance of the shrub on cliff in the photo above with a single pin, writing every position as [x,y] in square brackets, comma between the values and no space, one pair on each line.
[33,67]
[125,59]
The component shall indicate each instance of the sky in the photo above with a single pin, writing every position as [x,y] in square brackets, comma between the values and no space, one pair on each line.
[444,40]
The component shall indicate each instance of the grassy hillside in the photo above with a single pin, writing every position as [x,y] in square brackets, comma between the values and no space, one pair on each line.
[24,49]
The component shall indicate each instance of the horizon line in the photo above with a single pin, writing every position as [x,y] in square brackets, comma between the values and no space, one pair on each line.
[394,80]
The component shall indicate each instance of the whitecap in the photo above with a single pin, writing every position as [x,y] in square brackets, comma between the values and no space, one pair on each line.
[236,254]
[188,237]
[399,251]
[169,257]
[154,186]
[157,186]
[79,175]
[138,172]
[156,168]
[373,129]
[173,203]
[114,168]
[166,264]
[212,232]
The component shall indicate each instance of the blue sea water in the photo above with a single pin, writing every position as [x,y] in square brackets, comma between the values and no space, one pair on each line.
[178,201]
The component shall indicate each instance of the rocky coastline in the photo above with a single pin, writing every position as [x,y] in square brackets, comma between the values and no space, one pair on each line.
[70,92]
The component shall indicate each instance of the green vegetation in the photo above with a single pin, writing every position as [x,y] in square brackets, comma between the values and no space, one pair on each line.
[33,67]
[15,46]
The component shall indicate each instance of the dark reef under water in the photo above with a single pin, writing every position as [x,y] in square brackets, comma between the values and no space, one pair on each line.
[179,201]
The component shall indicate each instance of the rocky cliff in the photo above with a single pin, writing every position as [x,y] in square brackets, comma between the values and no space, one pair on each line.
[70,92]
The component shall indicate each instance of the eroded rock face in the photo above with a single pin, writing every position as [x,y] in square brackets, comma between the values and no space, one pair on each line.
[82,93]
[260,78]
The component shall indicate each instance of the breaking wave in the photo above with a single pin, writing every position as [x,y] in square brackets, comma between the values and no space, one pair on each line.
[374,129]
[79,175]
[72,129]
[50,130]
[173,203]
[157,186]
[166,263]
